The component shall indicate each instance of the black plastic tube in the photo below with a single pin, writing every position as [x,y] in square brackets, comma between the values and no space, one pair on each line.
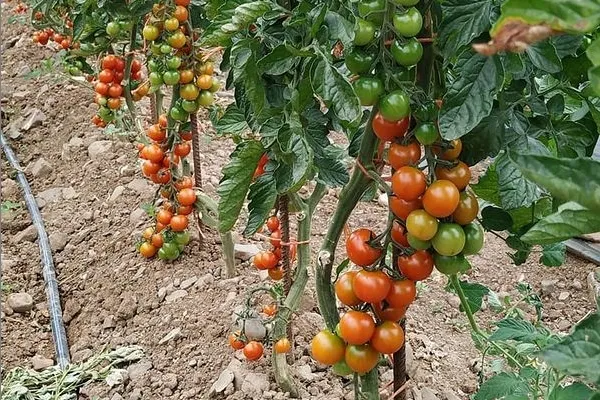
[51,285]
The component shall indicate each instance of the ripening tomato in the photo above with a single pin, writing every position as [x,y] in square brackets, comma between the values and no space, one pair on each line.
[387,313]
[356,327]
[186,197]
[179,223]
[189,91]
[183,3]
[273,223]
[371,286]
[185,210]
[156,133]
[147,233]
[106,76]
[388,131]
[115,90]
[235,341]
[182,149]
[186,76]
[402,293]
[327,348]
[119,64]
[451,153]
[399,234]
[204,82]
[265,260]
[157,240]
[101,88]
[136,66]
[402,155]
[171,24]
[417,266]
[181,13]
[467,209]
[361,359]
[253,350]
[388,337]
[186,135]
[359,249]
[154,153]
[276,273]
[402,208]
[150,32]
[147,250]
[441,198]
[344,289]
[164,216]
[275,238]
[421,225]
[113,103]
[185,182]
[408,183]
[282,346]
[460,174]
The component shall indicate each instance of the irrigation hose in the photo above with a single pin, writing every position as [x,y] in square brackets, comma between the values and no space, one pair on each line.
[51,285]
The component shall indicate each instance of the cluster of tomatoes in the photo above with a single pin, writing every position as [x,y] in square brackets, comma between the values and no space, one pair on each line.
[161,161]
[270,260]
[44,36]
[109,88]
[173,60]
[254,349]
[405,49]
[20,8]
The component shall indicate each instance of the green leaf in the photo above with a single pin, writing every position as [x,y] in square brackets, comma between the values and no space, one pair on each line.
[331,169]
[262,197]
[474,292]
[281,59]
[339,28]
[463,21]
[515,329]
[495,219]
[335,90]
[295,166]
[579,353]
[594,77]
[569,221]
[543,56]
[501,386]
[593,52]
[567,179]
[574,391]
[553,255]
[487,187]
[233,122]
[485,140]
[237,176]
[515,190]
[470,97]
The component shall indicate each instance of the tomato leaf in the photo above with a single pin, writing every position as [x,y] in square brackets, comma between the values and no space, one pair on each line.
[471,96]
[487,187]
[262,197]
[569,221]
[463,21]
[495,219]
[502,385]
[233,122]
[295,166]
[516,329]
[514,189]
[485,139]
[575,390]
[335,90]
[237,176]
[553,255]
[567,179]
[543,55]
[475,292]
[280,60]
[579,353]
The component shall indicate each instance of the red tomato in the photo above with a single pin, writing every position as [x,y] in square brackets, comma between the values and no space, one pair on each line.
[441,199]
[408,183]
[356,327]
[399,234]
[371,286]
[402,155]
[401,208]
[359,250]
[388,338]
[402,293]
[417,266]
[344,289]
[388,131]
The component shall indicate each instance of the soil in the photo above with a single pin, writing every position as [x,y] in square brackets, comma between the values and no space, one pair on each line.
[110,294]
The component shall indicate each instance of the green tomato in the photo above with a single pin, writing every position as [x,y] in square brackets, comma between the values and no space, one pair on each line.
[474,238]
[162,254]
[113,29]
[449,265]
[407,54]
[359,62]
[126,25]
[364,32]
[408,23]
[182,238]
[174,62]
[205,98]
[178,114]
[155,48]
[449,239]
[368,90]
[152,65]
[181,247]
[372,10]
[405,2]
[73,70]
[342,369]
[427,134]
[165,48]
[216,86]
[189,106]
[171,77]
[104,112]
[404,74]
[155,79]
[171,250]
[78,64]
[417,243]
[427,112]
[102,100]
[395,106]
